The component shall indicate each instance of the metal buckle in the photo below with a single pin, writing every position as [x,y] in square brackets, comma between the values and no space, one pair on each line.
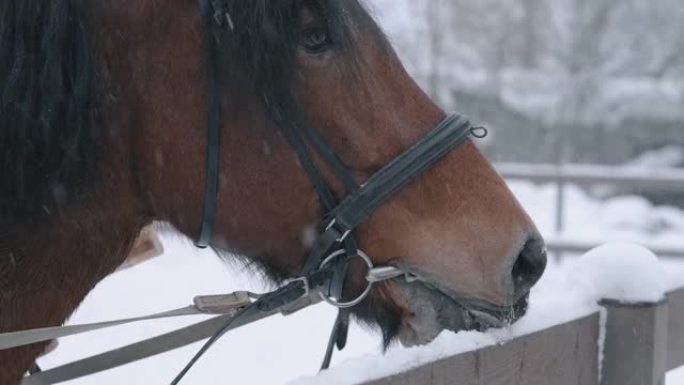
[385,273]
[344,235]
[479,132]
[304,280]
[221,16]
[366,291]
[224,303]
[300,304]
[221,12]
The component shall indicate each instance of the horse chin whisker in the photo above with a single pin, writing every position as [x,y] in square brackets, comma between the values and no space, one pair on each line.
[380,312]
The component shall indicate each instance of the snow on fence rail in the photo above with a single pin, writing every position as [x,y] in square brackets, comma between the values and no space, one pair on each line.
[632,338]
[613,317]
[642,342]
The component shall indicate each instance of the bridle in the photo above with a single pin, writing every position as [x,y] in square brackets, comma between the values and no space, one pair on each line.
[325,269]
[336,244]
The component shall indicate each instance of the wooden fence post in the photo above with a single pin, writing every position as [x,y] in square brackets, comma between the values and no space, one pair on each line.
[635,345]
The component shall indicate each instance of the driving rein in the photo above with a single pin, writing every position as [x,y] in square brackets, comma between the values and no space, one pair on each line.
[323,275]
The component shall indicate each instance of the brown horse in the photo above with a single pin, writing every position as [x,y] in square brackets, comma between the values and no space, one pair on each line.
[102,131]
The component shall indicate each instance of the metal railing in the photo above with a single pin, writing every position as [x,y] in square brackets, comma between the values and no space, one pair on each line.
[670,180]
[661,179]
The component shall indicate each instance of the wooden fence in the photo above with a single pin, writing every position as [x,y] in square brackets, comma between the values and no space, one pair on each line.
[641,342]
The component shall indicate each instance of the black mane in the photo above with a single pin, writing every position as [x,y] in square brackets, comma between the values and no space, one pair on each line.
[50,135]
[48,104]
[50,131]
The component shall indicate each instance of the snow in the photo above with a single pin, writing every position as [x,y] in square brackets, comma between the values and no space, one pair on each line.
[675,274]
[282,349]
[665,157]
[555,300]
[675,377]
[628,218]
[623,272]
[568,291]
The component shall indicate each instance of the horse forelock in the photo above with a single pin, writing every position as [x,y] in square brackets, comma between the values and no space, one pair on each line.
[50,131]
[259,53]
[48,104]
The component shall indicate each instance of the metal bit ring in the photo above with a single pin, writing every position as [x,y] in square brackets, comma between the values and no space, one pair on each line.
[345,305]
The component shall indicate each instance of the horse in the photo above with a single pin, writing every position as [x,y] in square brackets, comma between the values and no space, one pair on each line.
[103,109]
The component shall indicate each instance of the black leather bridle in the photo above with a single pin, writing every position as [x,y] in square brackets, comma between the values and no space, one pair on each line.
[329,257]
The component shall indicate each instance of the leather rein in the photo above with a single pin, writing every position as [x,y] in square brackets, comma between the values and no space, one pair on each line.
[323,275]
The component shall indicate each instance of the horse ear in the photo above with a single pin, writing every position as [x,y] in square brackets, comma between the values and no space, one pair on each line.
[48,103]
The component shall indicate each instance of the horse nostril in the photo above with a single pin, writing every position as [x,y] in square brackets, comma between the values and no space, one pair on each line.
[529,267]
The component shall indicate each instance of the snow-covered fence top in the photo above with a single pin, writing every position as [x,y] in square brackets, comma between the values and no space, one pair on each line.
[623,325]
[636,350]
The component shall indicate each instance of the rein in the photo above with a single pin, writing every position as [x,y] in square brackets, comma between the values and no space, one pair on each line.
[234,310]
[323,275]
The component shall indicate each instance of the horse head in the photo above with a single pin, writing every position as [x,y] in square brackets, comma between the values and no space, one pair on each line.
[326,65]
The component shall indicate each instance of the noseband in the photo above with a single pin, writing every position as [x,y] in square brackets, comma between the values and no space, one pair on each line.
[329,257]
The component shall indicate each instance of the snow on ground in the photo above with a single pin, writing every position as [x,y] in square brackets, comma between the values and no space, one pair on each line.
[282,349]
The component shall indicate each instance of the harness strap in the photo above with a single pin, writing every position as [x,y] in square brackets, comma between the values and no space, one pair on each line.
[266,306]
[198,331]
[213,126]
[274,301]
[328,155]
[251,310]
[323,244]
[325,196]
[450,133]
[26,337]
[340,330]
[137,351]
[338,337]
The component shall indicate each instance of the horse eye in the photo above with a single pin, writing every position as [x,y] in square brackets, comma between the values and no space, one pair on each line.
[315,40]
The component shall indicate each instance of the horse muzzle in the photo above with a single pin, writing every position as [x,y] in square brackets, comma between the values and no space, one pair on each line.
[430,311]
